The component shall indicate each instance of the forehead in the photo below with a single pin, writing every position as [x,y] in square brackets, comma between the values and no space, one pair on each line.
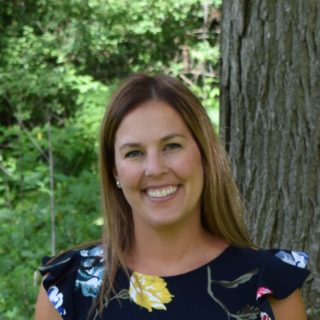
[152,119]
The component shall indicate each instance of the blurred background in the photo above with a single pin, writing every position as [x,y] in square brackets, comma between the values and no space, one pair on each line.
[60,61]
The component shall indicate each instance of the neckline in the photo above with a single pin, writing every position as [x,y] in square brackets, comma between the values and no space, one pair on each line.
[213,261]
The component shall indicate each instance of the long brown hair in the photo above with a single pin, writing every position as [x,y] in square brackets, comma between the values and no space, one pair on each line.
[221,206]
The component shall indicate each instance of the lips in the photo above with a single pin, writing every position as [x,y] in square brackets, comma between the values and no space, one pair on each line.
[162,192]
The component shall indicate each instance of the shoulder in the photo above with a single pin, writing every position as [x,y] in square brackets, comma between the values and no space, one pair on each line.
[279,257]
[282,271]
[276,277]
[276,267]
[70,263]
[278,272]
[74,274]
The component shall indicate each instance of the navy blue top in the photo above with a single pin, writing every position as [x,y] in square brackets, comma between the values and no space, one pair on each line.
[234,285]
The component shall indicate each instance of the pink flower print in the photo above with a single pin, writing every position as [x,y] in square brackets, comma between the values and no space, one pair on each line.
[263,291]
[264,316]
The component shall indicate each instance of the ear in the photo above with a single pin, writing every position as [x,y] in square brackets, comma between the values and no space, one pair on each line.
[115,174]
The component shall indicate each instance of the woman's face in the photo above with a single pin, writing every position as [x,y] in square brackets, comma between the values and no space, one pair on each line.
[159,167]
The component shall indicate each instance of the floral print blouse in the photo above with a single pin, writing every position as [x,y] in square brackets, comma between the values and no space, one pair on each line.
[233,286]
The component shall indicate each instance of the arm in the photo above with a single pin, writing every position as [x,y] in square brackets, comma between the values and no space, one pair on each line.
[290,308]
[44,308]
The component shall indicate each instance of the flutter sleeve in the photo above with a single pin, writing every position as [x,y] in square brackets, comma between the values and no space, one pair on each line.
[59,275]
[281,273]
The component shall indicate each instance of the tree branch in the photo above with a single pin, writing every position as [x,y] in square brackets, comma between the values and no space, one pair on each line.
[52,194]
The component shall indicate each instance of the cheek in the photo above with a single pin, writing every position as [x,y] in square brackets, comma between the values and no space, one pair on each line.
[190,164]
[128,175]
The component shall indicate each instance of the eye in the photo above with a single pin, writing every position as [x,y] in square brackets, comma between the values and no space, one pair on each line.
[172,146]
[133,154]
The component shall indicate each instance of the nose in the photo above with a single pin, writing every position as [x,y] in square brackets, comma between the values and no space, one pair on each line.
[155,165]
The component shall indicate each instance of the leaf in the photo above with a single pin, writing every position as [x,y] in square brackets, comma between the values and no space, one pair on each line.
[248,313]
[235,283]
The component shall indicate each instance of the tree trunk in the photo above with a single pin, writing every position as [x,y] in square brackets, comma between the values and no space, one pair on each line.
[270,122]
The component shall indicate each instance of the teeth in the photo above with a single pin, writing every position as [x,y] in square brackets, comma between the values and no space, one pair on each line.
[159,193]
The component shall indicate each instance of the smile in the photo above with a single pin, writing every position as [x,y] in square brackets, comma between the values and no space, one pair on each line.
[161,192]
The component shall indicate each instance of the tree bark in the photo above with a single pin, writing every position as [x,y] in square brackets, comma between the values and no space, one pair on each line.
[270,122]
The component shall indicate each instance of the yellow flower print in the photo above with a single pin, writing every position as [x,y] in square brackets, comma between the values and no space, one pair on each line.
[149,291]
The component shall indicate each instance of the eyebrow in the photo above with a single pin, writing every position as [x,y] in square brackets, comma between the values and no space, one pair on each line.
[164,139]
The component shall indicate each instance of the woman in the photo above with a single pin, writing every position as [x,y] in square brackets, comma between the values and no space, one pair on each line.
[175,245]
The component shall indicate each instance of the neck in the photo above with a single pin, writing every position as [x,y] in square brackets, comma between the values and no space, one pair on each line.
[173,250]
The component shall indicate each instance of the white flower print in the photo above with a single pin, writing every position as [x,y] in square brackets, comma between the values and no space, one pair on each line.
[56,298]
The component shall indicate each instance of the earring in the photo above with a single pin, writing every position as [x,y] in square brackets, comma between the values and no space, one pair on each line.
[118,184]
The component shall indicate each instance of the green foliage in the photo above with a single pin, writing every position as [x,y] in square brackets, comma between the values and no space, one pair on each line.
[59,63]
